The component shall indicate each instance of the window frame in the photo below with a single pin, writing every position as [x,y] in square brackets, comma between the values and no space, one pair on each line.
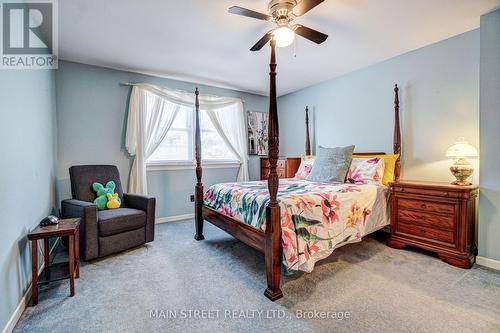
[161,165]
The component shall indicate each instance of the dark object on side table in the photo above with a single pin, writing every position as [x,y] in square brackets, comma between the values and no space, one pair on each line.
[60,271]
[438,217]
[49,220]
[108,231]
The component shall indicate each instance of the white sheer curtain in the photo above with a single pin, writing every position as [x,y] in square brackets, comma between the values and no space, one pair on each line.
[149,119]
[229,121]
[147,126]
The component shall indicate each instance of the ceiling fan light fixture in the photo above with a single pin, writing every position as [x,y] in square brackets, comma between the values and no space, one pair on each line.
[284,36]
[282,13]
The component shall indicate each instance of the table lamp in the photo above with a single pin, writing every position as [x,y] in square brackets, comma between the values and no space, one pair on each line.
[462,169]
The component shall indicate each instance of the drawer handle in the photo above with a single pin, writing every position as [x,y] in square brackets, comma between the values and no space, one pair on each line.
[445,193]
[424,206]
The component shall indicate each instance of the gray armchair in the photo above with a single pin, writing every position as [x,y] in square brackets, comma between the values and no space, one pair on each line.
[107,231]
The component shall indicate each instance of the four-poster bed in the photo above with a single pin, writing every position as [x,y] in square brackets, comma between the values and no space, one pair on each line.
[267,240]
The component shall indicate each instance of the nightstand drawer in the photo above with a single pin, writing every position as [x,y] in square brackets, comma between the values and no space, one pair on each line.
[427,233]
[279,163]
[427,219]
[428,192]
[280,171]
[428,206]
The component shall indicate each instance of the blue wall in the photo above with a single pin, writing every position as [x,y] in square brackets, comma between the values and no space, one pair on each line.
[439,100]
[28,150]
[489,203]
[91,119]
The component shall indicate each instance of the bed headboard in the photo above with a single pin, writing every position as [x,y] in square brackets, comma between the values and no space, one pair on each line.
[396,142]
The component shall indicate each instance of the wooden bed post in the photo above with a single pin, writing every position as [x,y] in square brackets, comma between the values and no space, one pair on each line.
[308,142]
[397,135]
[273,219]
[198,205]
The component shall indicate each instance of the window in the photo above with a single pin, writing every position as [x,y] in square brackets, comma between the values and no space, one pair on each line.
[213,147]
[177,148]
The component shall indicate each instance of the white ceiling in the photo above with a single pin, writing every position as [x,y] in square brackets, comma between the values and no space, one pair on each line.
[197,40]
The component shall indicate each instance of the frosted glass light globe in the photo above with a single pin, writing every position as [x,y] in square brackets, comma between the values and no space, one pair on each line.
[462,149]
[284,36]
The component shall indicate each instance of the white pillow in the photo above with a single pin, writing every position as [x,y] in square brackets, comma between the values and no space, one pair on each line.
[305,168]
[366,171]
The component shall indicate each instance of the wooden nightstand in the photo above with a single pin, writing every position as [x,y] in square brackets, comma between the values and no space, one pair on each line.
[438,217]
[287,167]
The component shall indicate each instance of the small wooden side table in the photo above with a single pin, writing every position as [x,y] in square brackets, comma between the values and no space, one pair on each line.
[60,271]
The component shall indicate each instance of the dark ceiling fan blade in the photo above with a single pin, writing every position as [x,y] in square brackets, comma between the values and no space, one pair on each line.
[311,34]
[250,13]
[263,41]
[304,6]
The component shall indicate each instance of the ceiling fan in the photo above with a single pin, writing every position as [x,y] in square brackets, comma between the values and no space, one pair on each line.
[283,12]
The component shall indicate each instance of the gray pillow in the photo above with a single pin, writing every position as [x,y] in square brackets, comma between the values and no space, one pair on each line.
[331,164]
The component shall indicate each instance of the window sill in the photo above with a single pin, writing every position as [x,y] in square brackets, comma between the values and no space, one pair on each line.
[190,166]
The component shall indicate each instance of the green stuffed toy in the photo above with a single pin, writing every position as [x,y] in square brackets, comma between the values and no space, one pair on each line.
[102,195]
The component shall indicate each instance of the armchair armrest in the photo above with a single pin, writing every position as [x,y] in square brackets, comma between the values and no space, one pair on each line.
[146,204]
[137,201]
[87,212]
[78,203]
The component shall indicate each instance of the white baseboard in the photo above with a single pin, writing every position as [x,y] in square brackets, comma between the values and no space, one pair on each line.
[487,262]
[23,303]
[18,312]
[174,218]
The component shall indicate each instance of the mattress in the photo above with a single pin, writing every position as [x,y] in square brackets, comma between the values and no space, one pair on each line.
[316,218]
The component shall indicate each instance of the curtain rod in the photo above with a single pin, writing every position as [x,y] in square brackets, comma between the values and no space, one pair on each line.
[130,84]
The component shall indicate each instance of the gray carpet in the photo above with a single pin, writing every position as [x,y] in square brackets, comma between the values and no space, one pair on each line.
[382,289]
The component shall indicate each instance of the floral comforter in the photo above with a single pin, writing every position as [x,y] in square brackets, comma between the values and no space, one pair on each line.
[316,217]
